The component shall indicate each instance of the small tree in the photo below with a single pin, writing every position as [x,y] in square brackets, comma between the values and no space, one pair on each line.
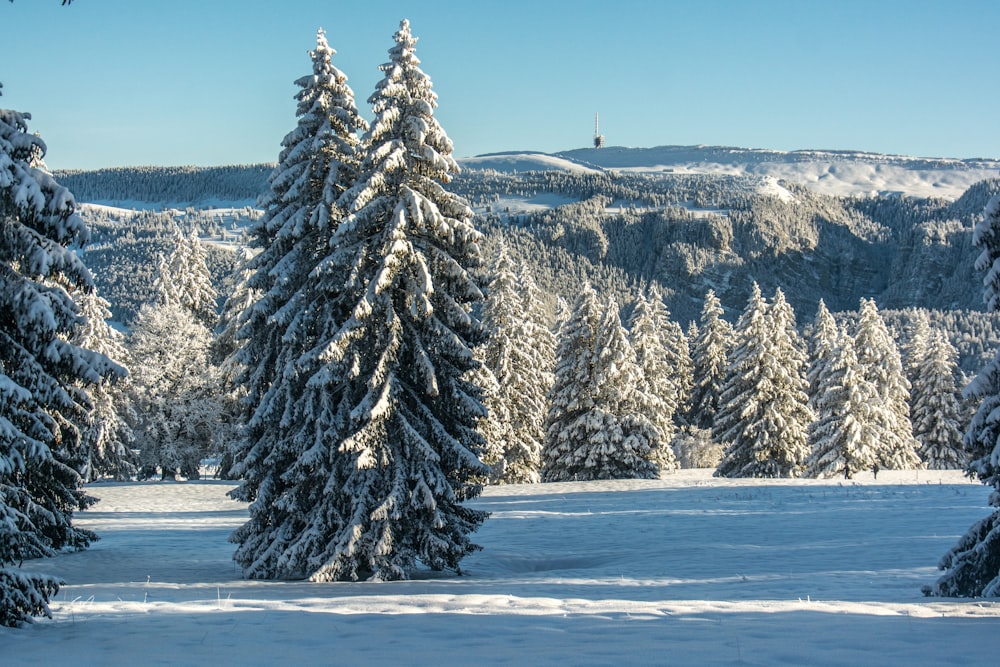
[764,410]
[709,350]
[882,366]
[937,411]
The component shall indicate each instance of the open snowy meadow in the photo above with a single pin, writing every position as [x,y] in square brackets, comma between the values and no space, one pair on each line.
[685,570]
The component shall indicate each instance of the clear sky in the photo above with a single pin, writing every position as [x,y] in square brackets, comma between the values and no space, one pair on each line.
[208,82]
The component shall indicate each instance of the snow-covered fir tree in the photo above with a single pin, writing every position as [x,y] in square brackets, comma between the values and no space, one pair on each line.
[913,350]
[709,352]
[318,161]
[972,566]
[596,427]
[823,340]
[518,352]
[937,410]
[662,352]
[376,456]
[107,441]
[763,408]
[881,365]
[42,375]
[190,279]
[843,440]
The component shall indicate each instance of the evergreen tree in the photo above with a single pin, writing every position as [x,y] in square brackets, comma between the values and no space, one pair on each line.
[595,428]
[823,341]
[709,351]
[972,566]
[842,439]
[377,447]
[937,409]
[662,352]
[517,353]
[318,161]
[882,366]
[187,268]
[763,407]
[107,439]
[913,351]
[42,374]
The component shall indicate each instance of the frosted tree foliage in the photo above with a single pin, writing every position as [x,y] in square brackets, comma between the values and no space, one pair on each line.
[318,161]
[843,439]
[823,341]
[43,400]
[709,352]
[378,454]
[106,441]
[763,408]
[882,366]
[937,411]
[176,391]
[596,428]
[183,279]
[519,353]
[972,566]
[661,350]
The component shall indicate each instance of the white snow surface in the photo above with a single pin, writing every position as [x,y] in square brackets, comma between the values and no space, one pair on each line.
[685,570]
[838,173]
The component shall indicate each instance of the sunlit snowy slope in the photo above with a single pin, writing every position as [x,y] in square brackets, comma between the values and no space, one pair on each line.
[828,172]
[685,570]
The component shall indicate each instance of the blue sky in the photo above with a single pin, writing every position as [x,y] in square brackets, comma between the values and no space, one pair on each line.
[207,82]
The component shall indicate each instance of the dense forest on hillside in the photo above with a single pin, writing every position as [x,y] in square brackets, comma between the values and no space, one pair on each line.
[621,231]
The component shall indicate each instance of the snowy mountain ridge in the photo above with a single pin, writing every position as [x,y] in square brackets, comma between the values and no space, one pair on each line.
[832,172]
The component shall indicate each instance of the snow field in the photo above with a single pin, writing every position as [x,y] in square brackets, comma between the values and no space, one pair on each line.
[685,570]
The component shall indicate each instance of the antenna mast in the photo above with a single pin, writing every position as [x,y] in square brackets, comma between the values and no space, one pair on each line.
[598,137]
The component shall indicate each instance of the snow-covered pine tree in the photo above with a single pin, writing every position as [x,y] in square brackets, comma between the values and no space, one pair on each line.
[596,427]
[529,412]
[107,439]
[882,366]
[709,351]
[318,161]
[383,442]
[184,277]
[662,354]
[972,566]
[842,439]
[763,407]
[42,400]
[823,340]
[913,350]
[515,353]
[937,411]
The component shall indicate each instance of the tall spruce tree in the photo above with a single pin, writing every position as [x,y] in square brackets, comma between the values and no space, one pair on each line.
[43,399]
[881,364]
[763,411]
[937,411]
[843,440]
[318,161]
[823,340]
[709,352]
[378,448]
[972,566]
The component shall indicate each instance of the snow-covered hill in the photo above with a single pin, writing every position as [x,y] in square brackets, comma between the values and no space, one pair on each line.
[686,570]
[827,172]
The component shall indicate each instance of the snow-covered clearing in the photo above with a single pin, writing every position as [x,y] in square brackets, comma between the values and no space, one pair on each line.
[685,570]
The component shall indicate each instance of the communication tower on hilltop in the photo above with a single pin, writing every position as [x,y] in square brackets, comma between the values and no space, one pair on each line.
[598,137]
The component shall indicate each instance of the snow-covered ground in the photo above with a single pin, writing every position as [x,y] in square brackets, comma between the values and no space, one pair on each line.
[685,570]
